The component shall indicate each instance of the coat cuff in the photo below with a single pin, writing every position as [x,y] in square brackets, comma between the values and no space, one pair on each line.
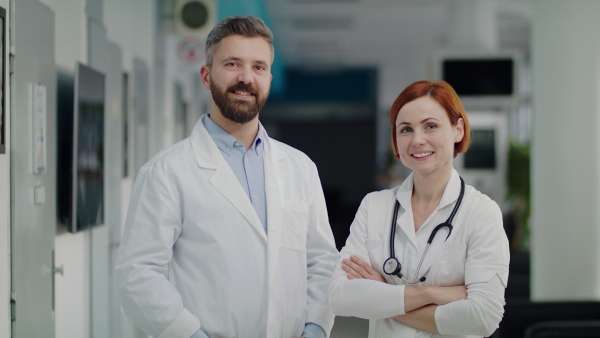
[321,316]
[184,326]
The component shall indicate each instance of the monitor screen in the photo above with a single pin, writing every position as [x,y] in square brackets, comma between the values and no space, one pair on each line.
[480,77]
[80,148]
[88,163]
[482,152]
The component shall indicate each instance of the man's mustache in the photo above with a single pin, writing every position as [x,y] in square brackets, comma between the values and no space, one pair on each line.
[243,87]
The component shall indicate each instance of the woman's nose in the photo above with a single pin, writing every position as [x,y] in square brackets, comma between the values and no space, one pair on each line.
[418,137]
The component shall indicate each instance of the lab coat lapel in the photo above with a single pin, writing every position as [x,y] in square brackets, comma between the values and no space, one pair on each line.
[275,169]
[404,195]
[452,190]
[209,157]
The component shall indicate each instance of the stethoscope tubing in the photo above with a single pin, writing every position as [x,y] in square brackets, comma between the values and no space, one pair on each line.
[447,223]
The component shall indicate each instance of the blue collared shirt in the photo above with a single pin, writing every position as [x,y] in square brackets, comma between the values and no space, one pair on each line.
[247,165]
[311,330]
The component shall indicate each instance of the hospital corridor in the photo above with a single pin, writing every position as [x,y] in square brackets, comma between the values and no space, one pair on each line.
[106,107]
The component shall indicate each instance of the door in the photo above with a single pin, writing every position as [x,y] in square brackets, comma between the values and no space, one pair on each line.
[33,189]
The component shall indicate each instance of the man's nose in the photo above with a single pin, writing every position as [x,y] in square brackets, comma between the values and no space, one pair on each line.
[245,76]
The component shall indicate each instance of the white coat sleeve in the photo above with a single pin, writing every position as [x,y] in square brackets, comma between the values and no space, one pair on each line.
[153,225]
[361,297]
[321,255]
[486,276]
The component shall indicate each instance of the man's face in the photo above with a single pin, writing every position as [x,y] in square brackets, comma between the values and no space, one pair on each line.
[240,77]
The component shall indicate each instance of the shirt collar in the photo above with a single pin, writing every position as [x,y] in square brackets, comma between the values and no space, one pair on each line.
[226,142]
[450,194]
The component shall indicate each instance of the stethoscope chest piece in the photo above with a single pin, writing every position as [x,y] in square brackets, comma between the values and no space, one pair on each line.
[391,266]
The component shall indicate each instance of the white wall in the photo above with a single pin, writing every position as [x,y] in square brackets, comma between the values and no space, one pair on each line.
[565,168]
[131,25]
[5,216]
[4,247]
[71,250]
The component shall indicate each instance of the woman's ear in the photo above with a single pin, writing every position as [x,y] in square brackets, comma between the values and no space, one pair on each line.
[460,130]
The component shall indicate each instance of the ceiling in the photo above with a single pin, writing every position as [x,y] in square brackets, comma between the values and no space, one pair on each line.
[347,33]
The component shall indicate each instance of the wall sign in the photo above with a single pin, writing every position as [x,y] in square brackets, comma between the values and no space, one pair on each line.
[38,114]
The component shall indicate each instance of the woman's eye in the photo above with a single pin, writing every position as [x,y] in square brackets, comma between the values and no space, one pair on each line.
[405,130]
[431,126]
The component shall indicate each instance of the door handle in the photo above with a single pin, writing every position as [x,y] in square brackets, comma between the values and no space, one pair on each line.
[58,269]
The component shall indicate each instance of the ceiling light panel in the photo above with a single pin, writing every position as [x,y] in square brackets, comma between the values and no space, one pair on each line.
[324,23]
[322,1]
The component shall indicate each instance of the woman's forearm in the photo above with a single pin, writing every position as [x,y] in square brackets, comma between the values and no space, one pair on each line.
[422,318]
[418,296]
[420,303]
[365,298]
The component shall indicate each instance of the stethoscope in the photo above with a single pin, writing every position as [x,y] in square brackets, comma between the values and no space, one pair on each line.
[392,266]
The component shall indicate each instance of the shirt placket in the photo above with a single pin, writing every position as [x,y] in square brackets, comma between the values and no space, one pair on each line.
[255,179]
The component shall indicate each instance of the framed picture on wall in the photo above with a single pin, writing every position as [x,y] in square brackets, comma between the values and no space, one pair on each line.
[2,82]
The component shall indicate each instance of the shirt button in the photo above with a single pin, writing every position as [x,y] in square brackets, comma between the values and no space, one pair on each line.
[236,144]
[254,196]
[228,149]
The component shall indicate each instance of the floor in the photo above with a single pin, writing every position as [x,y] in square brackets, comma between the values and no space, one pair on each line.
[350,327]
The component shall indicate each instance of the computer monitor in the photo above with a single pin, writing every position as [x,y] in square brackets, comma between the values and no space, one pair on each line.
[81,149]
[481,80]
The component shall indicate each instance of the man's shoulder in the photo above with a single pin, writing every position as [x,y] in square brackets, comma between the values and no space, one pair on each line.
[290,151]
[171,155]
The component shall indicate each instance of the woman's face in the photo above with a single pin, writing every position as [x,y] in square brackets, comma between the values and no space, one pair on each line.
[425,137]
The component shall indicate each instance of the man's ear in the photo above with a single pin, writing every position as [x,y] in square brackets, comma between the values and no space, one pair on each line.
[205,76]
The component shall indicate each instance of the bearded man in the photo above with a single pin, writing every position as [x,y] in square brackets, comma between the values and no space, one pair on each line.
[227,233]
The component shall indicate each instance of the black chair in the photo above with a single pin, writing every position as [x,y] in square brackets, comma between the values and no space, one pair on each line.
[520,314]
[564,329]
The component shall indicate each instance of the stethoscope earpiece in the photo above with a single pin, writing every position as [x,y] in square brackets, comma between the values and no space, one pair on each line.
[392,266]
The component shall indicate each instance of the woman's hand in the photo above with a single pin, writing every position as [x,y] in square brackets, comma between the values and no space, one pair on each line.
[356,268]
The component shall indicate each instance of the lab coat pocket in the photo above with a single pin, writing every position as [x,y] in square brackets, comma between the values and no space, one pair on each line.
[451,266]
[295,225]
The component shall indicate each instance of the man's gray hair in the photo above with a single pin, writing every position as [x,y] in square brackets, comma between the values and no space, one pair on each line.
[247,26]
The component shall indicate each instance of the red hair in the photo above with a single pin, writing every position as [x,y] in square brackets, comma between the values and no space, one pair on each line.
[446,96]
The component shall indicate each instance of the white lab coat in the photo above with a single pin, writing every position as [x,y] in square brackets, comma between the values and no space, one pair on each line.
[476,254]
[195,254]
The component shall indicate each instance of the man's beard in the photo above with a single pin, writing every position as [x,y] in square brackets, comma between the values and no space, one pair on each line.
[239,111]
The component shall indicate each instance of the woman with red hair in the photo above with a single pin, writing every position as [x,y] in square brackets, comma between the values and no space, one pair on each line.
[428,258]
